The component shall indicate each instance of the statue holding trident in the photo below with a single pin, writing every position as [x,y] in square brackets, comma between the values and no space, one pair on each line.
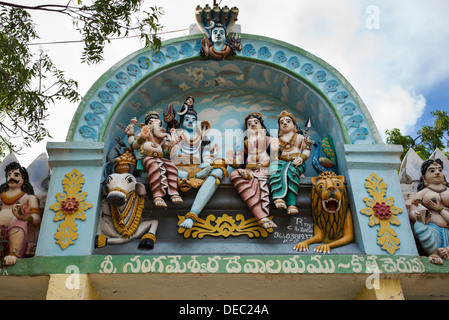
[197,167]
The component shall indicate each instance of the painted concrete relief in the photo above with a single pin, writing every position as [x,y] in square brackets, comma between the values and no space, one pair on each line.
[224,144]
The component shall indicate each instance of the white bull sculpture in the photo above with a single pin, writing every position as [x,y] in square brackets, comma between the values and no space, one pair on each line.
[121,213]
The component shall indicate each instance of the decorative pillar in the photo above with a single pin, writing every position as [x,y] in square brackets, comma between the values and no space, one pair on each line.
[381,222]
[69,221]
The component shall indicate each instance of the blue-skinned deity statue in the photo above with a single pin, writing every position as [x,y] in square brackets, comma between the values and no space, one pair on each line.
[194,156]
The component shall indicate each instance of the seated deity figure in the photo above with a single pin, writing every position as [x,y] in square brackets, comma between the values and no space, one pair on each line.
[294,150]
[20,216]
[217,46]
[251,181]
[429,211]
[197,168]
[154,145]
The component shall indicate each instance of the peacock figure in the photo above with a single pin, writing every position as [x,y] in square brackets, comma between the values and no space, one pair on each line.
[327,163]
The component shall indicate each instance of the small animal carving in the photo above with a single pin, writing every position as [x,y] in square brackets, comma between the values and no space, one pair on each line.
[121,213]
[332,218]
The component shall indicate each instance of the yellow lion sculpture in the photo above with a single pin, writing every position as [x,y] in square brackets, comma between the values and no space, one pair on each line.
[332,218]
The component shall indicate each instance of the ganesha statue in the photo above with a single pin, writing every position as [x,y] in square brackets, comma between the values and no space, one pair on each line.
[154,145]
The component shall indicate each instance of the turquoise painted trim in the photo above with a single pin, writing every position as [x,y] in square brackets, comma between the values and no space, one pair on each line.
[309,83]
[99,136]
[90,93]
[135,85]
[216,264]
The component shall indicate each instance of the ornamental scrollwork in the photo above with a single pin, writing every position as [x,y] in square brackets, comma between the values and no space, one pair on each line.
[225,226]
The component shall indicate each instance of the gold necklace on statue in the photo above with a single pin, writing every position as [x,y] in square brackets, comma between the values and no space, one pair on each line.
[134,207]
[288,146]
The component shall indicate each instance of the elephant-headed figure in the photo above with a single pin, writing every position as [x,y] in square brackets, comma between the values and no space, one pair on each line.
[121,213]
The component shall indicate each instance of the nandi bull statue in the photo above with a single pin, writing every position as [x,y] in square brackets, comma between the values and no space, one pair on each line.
[121,212]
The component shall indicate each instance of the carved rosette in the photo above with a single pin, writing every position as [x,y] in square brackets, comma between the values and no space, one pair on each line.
[382,212]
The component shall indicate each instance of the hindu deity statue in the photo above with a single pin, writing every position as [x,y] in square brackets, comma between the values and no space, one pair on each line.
[250,177]
[429,212]
[154,145]
[218,46]
[194,156]
[294,150]
[20,216]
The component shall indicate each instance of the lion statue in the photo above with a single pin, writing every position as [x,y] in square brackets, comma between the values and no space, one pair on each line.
[331,214]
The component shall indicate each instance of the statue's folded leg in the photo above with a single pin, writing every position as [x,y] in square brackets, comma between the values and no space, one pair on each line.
[429,237]
[206,191]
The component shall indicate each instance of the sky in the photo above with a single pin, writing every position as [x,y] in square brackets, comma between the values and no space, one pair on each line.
[394,53]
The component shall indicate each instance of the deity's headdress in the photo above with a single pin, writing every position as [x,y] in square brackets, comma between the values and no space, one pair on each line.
[216,24]
[256,115]
[151,115]
[286,113]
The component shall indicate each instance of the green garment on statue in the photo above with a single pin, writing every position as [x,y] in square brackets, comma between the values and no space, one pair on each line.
[284,180]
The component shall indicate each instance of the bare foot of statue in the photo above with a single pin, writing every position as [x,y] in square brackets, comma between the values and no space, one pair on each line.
[159,202]
[443,253]
[292,210]
[280,204]
[10,260]
[187,223]
[176,199]
[267,223]
[435,259]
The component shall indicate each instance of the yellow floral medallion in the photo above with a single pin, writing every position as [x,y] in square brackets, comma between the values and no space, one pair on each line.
[382,212]
[70,205]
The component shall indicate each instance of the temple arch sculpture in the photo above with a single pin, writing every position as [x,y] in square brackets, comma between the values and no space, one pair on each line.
[266,76]
[275,82]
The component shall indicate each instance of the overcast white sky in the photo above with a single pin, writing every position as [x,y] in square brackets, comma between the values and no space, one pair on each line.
[394,53]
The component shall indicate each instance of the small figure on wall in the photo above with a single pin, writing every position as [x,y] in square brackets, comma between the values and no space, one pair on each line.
[250,178]
[20,216]
[294,150]
[154,145]
[429,211]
